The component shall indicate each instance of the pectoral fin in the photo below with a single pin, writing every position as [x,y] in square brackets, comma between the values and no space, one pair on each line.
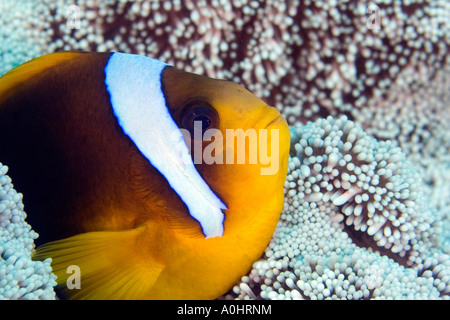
[112,265]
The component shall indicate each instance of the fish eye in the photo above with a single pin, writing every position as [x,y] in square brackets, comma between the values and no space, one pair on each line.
[199,115]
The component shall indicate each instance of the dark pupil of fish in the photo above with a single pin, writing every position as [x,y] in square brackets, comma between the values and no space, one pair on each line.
[205,122]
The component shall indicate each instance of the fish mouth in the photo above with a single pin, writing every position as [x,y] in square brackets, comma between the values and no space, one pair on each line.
[275,120]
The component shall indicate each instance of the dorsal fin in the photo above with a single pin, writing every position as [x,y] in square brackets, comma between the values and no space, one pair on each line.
[26,71]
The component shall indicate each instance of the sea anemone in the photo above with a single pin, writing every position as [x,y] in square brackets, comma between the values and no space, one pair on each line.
[372,184]
[20,277]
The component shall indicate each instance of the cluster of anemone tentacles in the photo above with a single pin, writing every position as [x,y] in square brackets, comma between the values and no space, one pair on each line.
[20,277]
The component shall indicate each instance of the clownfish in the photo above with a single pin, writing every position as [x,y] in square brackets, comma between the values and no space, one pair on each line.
[102,146]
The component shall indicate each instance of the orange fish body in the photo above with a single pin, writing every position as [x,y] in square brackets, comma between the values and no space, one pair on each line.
[87,141]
